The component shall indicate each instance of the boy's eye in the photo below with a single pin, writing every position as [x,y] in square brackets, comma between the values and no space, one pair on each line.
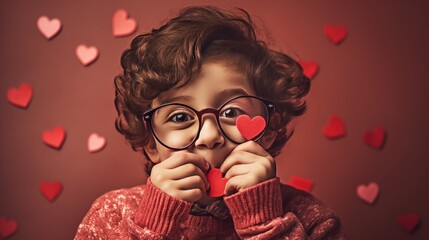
[231,112]
[180,118]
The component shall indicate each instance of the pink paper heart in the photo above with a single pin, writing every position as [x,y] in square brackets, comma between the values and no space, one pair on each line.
[55,137]
[408,222]
[335,128]
[51,190]
[21,96]
[122,25]
[310,68]
[250,128]
[375,138]
[96,142]
[336,34]
[368,193]
[86,55]
[7,227]
[49,28]
[217,183]
[301,183]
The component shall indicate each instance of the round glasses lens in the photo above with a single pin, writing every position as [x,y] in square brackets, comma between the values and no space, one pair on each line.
[249,106]
[175,125]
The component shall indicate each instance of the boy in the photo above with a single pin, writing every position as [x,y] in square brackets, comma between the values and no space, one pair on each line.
[203,93]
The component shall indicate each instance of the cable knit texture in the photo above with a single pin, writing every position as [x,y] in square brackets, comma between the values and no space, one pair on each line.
[268,210]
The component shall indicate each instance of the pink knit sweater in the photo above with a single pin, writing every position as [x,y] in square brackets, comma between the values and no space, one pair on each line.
[268,210]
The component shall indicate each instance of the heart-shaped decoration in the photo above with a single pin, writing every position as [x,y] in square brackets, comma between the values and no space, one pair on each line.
[96,142]
[122,25]
[7,227]
[336,34]
[217,183]
[310,68]
[48,28]
[368,193]
[301,183]
[51,190]
[375,138]
[408,222]
[86,55]
[335,128]
[250,128]
[55,137]
[21,96]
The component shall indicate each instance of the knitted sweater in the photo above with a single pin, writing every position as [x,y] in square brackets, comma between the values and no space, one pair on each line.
[268,210]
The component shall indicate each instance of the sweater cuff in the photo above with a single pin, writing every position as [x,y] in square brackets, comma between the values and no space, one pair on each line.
[161,212]
[257,204]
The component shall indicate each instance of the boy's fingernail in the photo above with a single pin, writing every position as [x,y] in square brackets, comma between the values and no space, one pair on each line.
[207,165]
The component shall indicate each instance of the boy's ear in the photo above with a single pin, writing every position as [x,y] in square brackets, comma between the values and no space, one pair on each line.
[152,152]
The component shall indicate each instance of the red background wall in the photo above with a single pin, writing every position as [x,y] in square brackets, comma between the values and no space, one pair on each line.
[376,77]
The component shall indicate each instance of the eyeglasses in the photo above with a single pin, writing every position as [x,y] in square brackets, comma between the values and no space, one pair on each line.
[177,126]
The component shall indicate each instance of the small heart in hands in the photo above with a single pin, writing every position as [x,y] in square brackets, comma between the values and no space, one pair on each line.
[217,182]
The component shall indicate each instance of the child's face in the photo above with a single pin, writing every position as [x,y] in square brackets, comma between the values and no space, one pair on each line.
[215,85]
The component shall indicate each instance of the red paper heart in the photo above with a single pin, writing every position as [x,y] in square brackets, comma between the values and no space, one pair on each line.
[86,55]
[217,183]
[51,190]
[54,138]
[7,227]
[336,34]
[48,28]
[250,128]
[21,96]
[375,138]
[122,25]
[368,193]
[301,183]
[408,222]
[310,68]
[335,128]
[96,142]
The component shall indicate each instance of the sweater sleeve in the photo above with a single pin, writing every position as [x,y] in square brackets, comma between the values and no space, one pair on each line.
[257,213]
[156,217]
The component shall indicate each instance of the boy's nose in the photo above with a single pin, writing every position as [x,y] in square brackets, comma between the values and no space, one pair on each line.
[210,134]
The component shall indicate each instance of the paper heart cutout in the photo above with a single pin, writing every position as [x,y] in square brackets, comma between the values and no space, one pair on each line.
[375,138]
[7,227]
[96,142]
[122,25]
[55,137]
[86,55]
[301,183]
[368,193]
[250,128]
[310,68]
[336,34]
[51,190]
[21,96]
[217,183]
[49,28]
[408,222]
[335,128]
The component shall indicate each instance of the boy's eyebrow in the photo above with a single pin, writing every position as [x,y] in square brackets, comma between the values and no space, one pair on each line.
[221,96]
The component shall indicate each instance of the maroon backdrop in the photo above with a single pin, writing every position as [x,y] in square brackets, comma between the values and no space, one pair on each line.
[375,77]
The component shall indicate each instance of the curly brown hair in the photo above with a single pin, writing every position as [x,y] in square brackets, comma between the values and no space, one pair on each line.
[167,57]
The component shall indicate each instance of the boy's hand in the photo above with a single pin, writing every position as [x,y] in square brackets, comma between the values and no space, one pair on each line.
[247,165]
[182,176]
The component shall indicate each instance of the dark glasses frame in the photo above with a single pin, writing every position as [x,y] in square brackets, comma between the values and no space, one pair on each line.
[147,117]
